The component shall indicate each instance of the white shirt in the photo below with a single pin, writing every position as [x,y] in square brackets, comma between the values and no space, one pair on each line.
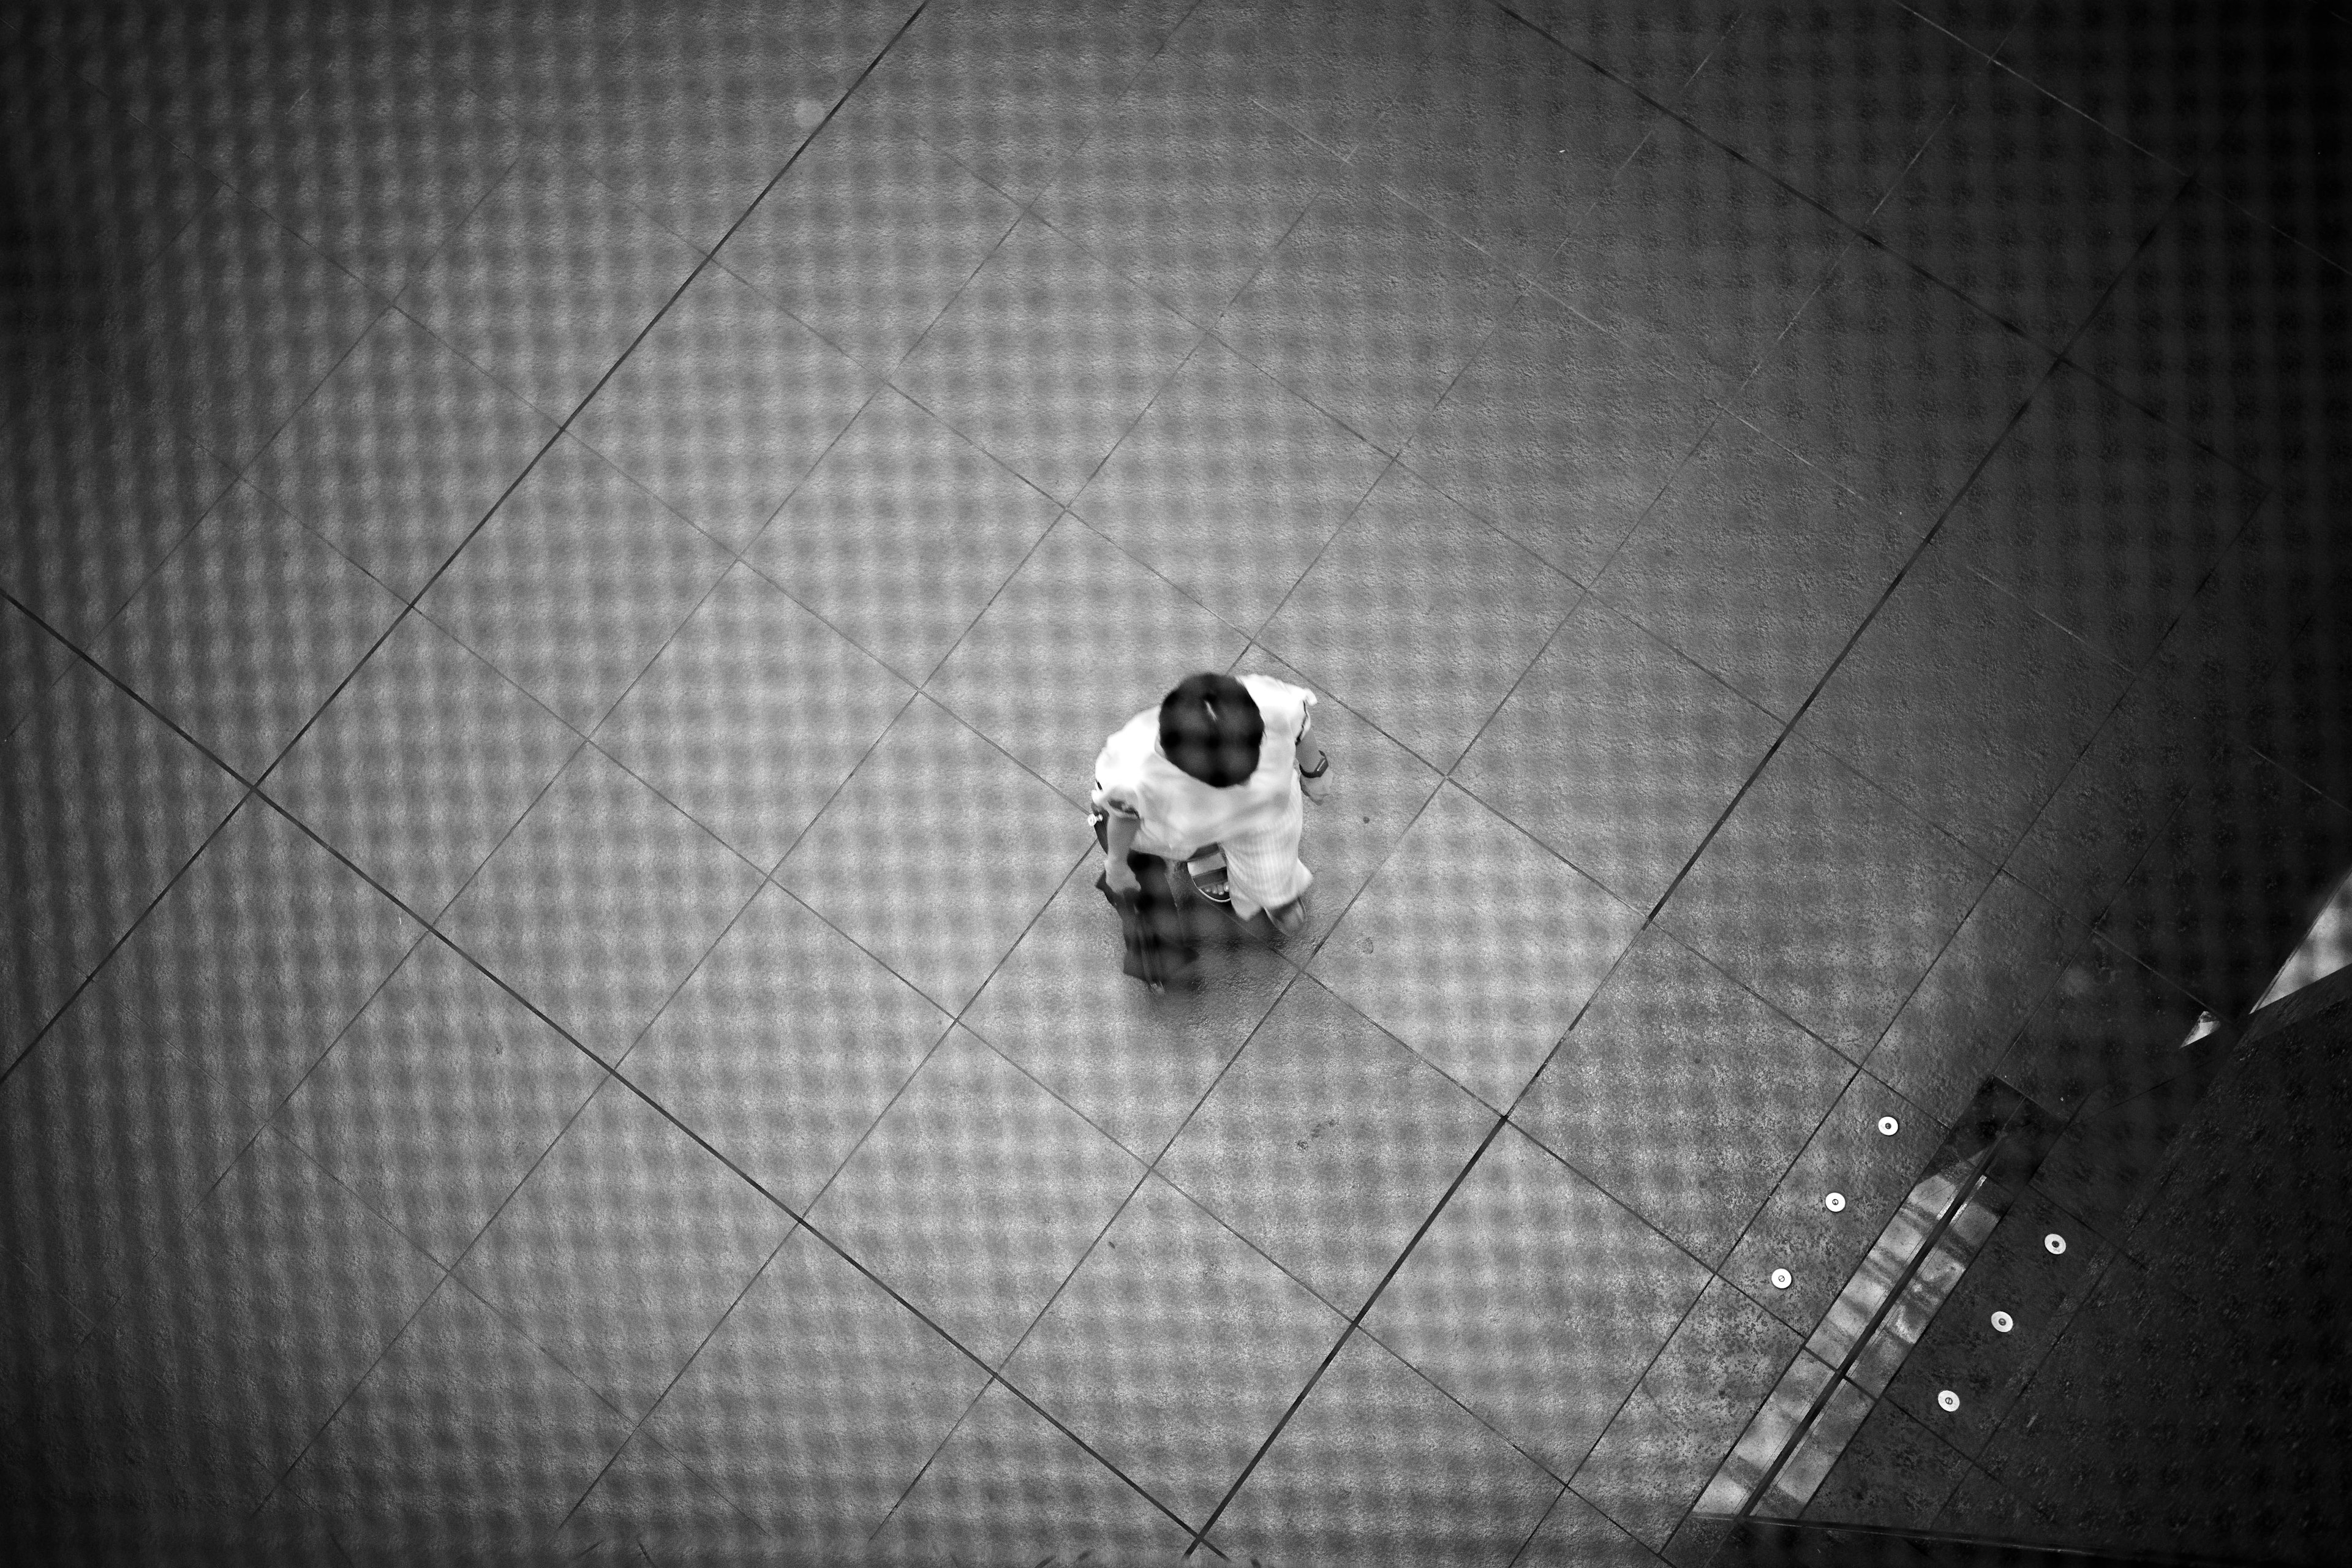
[1180,815]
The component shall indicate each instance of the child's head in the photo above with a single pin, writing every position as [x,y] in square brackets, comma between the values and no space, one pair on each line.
[1210,728]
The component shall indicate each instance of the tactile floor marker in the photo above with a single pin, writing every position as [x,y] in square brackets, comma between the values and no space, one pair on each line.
[1860,1344]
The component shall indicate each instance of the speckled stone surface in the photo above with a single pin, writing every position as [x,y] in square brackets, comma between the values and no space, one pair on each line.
[563,569]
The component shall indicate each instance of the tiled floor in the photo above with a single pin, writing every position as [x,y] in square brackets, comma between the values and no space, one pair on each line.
[565,565]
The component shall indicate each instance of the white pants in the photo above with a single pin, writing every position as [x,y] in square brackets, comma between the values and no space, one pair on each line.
[1262,868]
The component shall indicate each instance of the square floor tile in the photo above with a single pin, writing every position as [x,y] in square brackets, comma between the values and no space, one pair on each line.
[724,407]
[1175,1349]
[112,192]
[1757,565]
[1895,383]
[1693,253]
[1654,48]
[492,1441]
[438,1099]
[1537,1300]
[102,807]
[2105,1025]
[2026,206]
[1080,640]
[688,73]
[1045,358]
[1954,1028]
[575,582]
[1327,66]
[31,660]
[98,494]
[1009,88]
[2170,79]
[1327,1144]
[1961,1350]
[975,1195]
[235,325]
[1378,1467]
[2098,516]
[279,1258]
[1721,1365]
[784,1047]
[1361,811]
[624,1247]
[1682,1095]
[1134,1064]
[1560,434]
[163,1069]
[1824,897]
[902,534]
[693,122]
[867,237]
[753,716]
[1617,754]
[649,1506]
[549,281]
[1008,1485]
[1369,308]
[2130,780]
[1982,25]
[1506,139]
[971,846]
[422,764]
[2282,160]
[242,635]
[1476,946]
[1831,99]
[1894,1472]
[817,1401]
[401,454]
[596,906]
[1230,486]
[1963,704]
[375,167]
[1379,618]
[2228,331]
[1186,186]
[2231,885]
[1848,1153]
[1576,1535]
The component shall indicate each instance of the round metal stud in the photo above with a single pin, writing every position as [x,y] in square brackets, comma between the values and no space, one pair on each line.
[1889,1126]
[1834,1202]
[2055,1243]
[1948,1400]
[1780,1279]
[2002,1323]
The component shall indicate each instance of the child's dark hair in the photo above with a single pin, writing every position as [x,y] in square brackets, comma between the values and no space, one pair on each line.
[1210,728]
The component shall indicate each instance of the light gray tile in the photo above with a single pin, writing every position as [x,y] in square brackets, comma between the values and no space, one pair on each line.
[1537,1300]
[438,1099]
[1476,946]
[937,854]
[753,716]
[975,1195]
[1174,1350]
[624,1248]
[785,1046]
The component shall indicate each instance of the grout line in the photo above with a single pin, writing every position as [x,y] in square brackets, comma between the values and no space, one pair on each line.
[1200,1537]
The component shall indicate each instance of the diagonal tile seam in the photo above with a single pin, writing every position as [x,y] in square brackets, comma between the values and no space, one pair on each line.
[1201,1536]
[253,785]
[612,1071]
[1926,539]
[1668,111]
[564,426]
[1784,1438]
